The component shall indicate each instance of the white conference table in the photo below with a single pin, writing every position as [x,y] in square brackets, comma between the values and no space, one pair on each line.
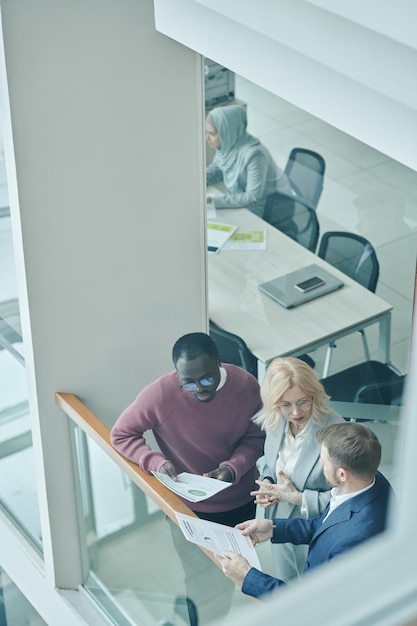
[270,330]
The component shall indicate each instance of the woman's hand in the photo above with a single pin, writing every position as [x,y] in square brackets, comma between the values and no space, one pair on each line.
[266,496]
[269,493]
[287,492]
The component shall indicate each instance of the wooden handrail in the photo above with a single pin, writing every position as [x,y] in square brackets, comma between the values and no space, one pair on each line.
[165,499]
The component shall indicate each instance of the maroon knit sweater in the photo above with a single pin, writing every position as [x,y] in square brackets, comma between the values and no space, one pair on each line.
[196,436]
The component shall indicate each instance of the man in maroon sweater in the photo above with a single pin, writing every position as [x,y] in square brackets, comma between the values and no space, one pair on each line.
[200,415]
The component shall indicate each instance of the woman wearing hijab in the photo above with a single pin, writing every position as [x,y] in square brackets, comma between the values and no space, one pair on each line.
[241,161]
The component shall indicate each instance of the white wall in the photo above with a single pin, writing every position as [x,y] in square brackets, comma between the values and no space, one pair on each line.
[105,129]
[106,118]
[328,58]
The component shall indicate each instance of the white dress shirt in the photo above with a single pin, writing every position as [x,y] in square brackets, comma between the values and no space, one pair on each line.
[337,498]
[290,450]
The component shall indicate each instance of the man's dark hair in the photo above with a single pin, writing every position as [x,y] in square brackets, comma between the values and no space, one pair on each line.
[352,446]
[194,345]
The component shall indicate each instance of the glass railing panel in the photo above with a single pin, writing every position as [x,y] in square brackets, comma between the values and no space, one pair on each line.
[133,569]
[18,492]
[14,607]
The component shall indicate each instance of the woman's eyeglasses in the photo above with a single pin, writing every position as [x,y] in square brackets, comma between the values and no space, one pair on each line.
[203,382]
[302,405]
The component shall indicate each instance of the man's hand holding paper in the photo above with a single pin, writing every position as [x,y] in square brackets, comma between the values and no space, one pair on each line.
[218,538]
[192,487]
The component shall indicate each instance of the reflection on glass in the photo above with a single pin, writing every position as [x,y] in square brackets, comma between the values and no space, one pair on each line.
[18,495]
[14,607]
[132,549]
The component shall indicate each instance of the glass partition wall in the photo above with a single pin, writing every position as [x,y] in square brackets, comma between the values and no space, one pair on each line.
[365,192]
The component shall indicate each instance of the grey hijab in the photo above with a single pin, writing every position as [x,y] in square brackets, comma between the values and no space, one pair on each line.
[230,123]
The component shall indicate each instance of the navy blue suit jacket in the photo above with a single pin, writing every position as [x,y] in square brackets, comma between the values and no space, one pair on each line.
[352,522]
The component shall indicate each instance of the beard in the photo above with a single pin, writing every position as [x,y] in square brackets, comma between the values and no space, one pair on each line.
[332,480]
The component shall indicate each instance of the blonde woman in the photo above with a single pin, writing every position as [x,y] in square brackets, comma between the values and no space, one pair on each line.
[292,484]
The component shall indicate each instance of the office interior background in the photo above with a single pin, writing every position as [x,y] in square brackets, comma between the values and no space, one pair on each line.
[64,249]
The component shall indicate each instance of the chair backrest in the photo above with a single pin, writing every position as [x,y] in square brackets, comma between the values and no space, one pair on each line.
[305,171]
[388,392]
[352,254]
[370,382]
[233,349]
[293,217]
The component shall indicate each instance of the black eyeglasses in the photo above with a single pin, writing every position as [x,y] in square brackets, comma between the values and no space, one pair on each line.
[203,382]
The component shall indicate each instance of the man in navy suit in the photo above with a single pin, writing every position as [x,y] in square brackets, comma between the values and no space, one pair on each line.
[350,454]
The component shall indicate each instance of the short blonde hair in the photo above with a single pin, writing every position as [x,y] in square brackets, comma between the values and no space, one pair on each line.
[281,375]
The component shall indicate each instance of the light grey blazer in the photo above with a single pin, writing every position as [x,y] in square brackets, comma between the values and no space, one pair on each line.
[307,475]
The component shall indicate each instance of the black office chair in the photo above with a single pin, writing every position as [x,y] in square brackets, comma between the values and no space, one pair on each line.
[352,254]
[370,382]
[233,349]
[293,217]
[390,392]
[355,256]
[186,609]
[305,171]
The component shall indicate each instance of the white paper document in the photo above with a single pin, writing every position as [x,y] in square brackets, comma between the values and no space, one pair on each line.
[246,240]
[217,538]
[217,235]
[192,487]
